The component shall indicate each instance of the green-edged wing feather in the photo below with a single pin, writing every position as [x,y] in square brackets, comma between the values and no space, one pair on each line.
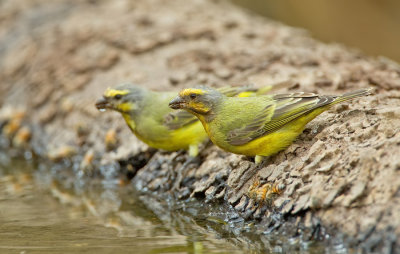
[282,109]
[244,135]
[179,119]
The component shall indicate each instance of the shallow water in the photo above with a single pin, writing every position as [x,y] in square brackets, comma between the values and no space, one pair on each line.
[52,210]
[39,215]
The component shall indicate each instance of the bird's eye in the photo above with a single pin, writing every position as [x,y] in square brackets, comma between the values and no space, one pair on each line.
[193,96]
[118,97]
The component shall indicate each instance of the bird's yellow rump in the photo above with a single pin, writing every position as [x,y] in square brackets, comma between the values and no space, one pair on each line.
[255,126]
[148,116]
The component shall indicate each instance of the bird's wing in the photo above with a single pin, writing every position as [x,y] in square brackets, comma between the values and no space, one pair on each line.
[282,109]
[178,119]
[231,91]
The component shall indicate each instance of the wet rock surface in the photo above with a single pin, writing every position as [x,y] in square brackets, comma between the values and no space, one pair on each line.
[341,176]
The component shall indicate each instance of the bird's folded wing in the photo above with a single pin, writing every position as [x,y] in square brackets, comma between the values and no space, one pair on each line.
[231,91]
[282,109]
[178,119]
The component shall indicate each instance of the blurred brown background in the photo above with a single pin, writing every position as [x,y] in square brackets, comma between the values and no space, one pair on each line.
[370,25]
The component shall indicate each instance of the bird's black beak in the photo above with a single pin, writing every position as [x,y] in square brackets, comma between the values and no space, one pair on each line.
[102,104]
[177,103]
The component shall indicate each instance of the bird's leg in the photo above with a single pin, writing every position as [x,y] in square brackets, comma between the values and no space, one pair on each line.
[258,159]
[193,150]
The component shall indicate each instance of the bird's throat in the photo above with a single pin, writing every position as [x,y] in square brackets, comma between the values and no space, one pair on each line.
[129,120]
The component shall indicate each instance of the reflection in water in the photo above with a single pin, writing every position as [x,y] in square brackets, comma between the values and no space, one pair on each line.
[53,211]
[42,215]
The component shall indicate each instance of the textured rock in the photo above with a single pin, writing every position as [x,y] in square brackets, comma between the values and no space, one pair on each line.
[344,170]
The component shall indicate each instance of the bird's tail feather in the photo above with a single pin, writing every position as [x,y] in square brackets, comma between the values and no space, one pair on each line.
[352,95]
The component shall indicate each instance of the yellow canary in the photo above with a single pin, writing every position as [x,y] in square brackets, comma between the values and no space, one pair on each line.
[255,126]
[153,122]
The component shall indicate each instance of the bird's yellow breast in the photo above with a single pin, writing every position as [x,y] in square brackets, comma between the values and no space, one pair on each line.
[267,145]
[191,134]
[169,140]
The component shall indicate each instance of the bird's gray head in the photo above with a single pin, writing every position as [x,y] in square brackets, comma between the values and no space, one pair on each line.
[201,100]
[124,98]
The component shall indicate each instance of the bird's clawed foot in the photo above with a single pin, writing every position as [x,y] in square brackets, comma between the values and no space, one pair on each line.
[260,160]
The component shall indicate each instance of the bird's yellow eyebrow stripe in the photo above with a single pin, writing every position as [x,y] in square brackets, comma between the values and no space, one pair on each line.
[112,92]
[188,91]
